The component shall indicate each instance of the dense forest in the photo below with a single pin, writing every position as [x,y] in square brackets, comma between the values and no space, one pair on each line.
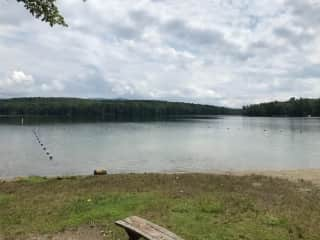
[105,109]
[293,108]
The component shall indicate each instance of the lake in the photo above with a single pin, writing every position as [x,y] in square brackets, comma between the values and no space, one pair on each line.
[224,143]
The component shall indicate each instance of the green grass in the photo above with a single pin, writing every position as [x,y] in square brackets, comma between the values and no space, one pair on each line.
[195,206]
[32,179]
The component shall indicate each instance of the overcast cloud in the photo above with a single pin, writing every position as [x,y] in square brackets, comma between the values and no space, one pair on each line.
[222,52]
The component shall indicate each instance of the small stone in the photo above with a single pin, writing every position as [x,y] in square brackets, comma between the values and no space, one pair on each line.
[100,172]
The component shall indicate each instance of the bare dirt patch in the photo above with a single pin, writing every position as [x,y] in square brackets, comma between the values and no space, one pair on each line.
[81,233]
[309,175]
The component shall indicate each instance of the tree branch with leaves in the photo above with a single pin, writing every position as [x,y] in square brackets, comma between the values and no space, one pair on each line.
[45,10]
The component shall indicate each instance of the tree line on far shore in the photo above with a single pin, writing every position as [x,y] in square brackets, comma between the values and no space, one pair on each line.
[301,107]
[105,109]
[102,109]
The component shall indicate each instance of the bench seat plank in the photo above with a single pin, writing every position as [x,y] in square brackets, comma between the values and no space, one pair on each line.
[146,229]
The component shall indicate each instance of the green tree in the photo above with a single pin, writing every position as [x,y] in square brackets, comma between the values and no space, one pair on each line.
[45,10]
[293,108]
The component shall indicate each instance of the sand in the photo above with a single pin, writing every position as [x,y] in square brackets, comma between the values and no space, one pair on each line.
[311,175]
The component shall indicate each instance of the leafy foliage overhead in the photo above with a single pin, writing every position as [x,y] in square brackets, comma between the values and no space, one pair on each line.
[46,10]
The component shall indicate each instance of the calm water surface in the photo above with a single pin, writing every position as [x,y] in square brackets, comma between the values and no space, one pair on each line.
[222,144]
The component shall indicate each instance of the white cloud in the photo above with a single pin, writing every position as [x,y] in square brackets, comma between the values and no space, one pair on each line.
[54,85]
[19,78]
[18,82]
[216,52]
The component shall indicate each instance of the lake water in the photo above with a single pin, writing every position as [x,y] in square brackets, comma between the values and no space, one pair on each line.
[190,145]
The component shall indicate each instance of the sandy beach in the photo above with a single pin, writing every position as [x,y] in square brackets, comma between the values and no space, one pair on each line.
[311,175]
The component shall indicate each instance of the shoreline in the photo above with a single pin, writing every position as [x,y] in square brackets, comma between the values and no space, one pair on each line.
[309,175]
[295,175]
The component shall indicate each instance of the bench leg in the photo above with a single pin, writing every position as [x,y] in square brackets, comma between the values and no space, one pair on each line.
[132,235]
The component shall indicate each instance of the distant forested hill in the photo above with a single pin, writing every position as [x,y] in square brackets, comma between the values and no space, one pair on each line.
[104,109]
[292,108]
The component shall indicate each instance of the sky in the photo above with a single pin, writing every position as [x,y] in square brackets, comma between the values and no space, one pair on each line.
[221,52]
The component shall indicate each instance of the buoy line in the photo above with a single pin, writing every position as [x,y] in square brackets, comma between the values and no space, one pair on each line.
[42,145]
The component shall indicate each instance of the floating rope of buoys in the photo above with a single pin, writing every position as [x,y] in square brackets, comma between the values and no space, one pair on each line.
[42,145]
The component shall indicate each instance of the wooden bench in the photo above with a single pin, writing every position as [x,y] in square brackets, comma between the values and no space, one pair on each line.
[137,227]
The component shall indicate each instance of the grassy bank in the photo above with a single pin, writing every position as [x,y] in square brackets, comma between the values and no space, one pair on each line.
[195,206]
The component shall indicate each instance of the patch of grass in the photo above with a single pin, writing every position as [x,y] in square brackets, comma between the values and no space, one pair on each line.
[4,199]
[201,205]
[99,208]
[274,221]
[33,179]
[195,206]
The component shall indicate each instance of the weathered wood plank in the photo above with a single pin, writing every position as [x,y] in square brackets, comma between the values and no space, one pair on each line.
[146,229]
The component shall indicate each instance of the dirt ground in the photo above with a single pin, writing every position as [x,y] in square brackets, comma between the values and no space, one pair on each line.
[310,175]
[82,233]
